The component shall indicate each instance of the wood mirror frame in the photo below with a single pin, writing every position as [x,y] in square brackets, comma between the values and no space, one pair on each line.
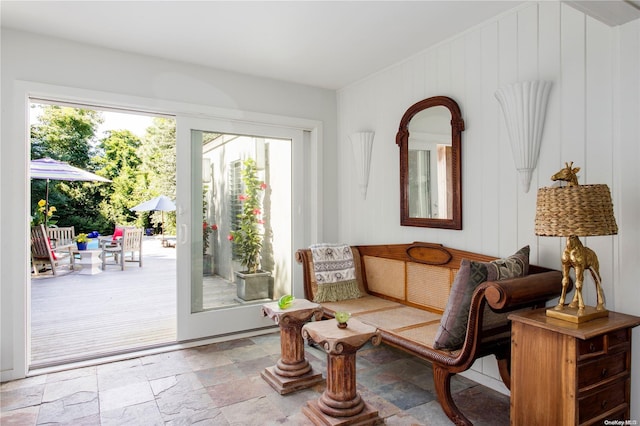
[455,186]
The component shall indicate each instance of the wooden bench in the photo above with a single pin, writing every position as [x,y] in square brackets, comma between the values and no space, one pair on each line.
[405,290]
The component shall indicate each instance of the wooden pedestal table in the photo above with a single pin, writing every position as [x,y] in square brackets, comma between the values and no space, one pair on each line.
[88,261]
[341,404]
[292,372]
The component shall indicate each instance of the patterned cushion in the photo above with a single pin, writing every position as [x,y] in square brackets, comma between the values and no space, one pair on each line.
[453,326]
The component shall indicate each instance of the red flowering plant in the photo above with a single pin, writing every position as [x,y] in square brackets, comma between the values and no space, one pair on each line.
[206,231]
[248,236]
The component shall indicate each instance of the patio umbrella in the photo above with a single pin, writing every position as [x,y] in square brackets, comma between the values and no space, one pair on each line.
[161,203]
[49,169]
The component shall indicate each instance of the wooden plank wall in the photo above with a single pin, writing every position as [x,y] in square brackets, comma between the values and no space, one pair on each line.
[592,119]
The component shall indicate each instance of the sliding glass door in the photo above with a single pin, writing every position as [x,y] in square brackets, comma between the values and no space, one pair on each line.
[232,175]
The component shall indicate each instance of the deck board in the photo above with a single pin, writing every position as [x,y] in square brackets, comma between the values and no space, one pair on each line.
[76,316]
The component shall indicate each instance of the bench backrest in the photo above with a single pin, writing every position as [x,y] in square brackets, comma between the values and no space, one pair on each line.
[400,272]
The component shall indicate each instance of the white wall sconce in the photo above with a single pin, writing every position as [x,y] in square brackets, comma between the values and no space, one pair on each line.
[362,144]
[524,106]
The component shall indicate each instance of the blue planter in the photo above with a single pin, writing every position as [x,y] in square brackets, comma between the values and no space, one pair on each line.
[82,246]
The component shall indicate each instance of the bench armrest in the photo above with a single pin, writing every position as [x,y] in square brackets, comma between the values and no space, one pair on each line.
[515,293]
[532,291]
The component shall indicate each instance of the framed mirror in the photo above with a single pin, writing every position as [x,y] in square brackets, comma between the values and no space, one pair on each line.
[429,137]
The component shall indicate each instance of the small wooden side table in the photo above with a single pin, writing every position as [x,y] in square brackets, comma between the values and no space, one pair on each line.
[292,372]
[341,403]
[564,373]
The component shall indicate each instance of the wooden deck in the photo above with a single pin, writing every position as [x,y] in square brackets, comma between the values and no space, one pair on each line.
[75,317]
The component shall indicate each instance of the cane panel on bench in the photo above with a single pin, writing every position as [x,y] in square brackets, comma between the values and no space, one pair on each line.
[424,334]
[398,318]
[366,303]
[435,294]
[385,276]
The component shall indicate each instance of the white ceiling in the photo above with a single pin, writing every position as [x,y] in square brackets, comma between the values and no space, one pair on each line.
[328,44]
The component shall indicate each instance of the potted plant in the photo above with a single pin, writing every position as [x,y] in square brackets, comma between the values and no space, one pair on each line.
[81,241]
[252,282]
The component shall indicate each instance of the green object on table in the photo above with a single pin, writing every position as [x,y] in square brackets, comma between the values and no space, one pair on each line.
[342,317]
[285,301]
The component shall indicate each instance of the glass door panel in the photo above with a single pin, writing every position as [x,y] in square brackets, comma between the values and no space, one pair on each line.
[212,194]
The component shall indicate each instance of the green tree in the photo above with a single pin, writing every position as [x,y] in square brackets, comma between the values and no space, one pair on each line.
[120,163]
[158,169]
[67,134]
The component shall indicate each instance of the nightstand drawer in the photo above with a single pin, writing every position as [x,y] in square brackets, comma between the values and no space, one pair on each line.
[618,338]
[608,398]
[602,344]
[593,372]
[592,346]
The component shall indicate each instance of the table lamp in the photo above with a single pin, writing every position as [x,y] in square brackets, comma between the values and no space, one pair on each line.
[574,211]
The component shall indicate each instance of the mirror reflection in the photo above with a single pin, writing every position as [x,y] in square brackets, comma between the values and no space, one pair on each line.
[430,191]
[429,137]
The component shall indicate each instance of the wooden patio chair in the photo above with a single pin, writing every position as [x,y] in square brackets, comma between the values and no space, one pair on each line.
[128,245]
[42,254]
[62,237]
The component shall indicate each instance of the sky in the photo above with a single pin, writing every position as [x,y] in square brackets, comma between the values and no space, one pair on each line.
[136,124]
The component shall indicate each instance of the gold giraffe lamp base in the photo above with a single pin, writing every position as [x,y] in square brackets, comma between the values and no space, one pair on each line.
[581,259]
[574,315]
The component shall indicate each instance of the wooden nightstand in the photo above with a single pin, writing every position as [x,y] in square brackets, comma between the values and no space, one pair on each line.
[570,374]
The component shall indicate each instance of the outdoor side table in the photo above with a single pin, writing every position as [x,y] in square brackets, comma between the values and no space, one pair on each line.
[341,403]
[89,261]
[292,372]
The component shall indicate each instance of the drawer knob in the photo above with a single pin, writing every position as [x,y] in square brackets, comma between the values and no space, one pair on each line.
[604,372]
[603,404]
[592,347]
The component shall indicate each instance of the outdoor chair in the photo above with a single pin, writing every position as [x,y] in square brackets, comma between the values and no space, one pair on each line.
[42,254]
[127,246]
[61,237]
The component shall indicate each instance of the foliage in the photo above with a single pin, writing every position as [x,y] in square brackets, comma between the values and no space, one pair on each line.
[139,169]
[247,238]
[157,171]
[206,232]
[120,163]
[68,134]
[82,238]
[40,214]
[65,134]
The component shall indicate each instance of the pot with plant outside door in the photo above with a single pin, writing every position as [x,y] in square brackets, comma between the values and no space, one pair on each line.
[252,282]
[252,286]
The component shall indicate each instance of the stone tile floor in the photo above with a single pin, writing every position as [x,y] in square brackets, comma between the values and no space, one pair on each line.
[220,384]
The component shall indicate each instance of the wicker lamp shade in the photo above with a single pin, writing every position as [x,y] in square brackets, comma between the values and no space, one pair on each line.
[582,210]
